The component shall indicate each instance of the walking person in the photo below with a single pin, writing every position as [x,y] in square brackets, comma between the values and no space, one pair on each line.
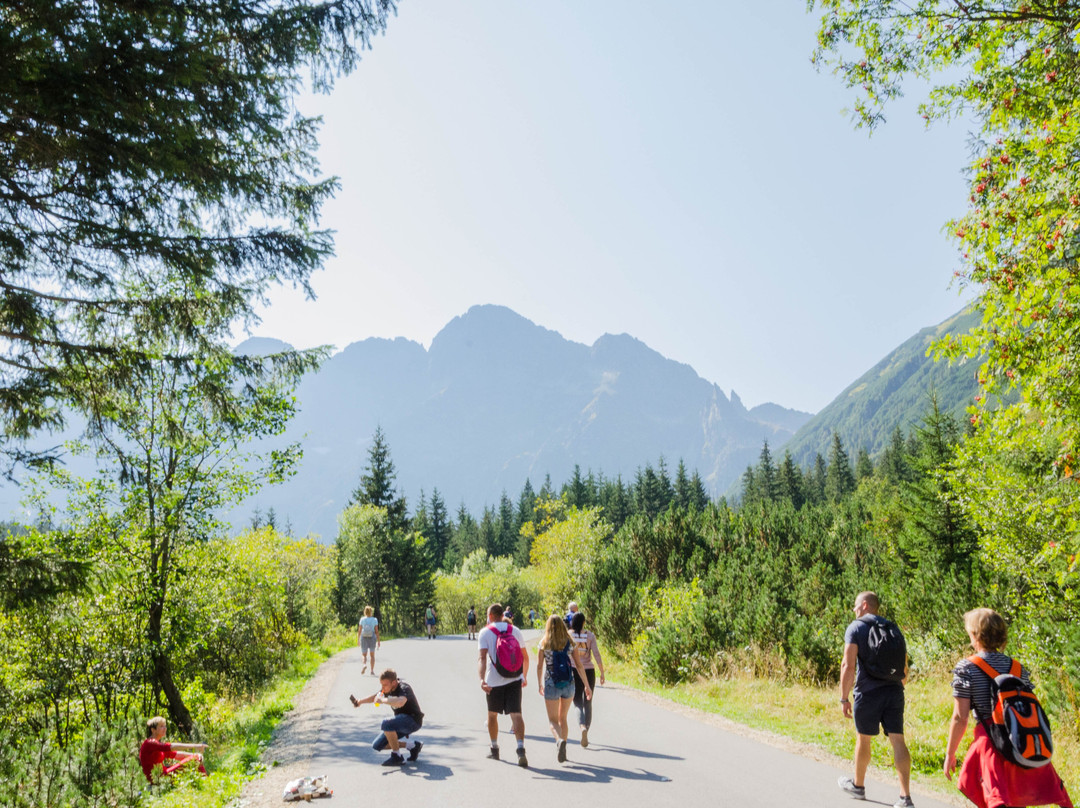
[588,653]
[986,777]
[556,685]
[430,618]
[503,668]
[470,622]
[875,662]
[397,731]
[367,637]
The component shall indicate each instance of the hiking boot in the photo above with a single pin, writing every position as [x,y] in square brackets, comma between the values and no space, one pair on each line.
[562,751]
[494,753]
[903,802]
[523,761]
[394,760]
[414,753]
[584,737]
[848,785]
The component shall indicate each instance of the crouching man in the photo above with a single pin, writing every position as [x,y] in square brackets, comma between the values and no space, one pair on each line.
[407,718]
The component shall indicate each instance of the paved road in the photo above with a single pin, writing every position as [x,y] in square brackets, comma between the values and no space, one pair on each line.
[640,754]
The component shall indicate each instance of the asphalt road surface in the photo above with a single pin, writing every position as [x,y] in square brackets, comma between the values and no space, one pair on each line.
[640,754]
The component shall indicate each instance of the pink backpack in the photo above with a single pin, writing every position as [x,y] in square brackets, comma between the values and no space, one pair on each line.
[507,658]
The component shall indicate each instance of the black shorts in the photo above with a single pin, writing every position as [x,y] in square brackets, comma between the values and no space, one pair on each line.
[505,698]
[881,708]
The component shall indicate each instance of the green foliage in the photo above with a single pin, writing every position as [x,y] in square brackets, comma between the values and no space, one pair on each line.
[484,580]
[157,180]
[565,542]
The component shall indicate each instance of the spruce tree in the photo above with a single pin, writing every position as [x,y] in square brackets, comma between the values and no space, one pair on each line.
[839,479]
[789,481]
[526,506]
[377,484]
[505,537]
[441,532]
[864,466]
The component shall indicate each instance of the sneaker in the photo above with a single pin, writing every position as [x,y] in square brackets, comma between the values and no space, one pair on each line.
[903,802]
[494,753]
[364,669]
[847,784]
[394,760]
[562,751]
[414,753]
[523,761]
[584,737]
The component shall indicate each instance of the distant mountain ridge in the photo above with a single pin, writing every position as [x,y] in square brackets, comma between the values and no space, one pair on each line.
[497,399]
[895,392]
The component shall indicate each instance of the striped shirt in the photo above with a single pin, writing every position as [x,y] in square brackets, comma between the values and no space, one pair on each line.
[586,649]
[969,682]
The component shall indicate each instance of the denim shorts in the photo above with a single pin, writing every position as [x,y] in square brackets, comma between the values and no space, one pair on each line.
[367,644]
[403,725]
[558,690]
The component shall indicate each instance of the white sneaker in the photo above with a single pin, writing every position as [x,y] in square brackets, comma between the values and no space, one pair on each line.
[848,784]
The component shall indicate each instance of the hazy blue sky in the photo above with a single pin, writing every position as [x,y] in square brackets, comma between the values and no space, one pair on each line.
[676,171]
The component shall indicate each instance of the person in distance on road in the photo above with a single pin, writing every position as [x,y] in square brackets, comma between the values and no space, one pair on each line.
[430,618]
[470,622]
[557,685]
[587,650]
[875,662]
[367,637]
[571,610]
[503,669]
[407,719]
[986,778]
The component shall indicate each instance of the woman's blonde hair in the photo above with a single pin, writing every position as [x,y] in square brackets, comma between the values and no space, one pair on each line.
[988,627]
[368,611]
[555,634]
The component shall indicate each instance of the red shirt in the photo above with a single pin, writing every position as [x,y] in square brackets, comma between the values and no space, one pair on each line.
[151,753]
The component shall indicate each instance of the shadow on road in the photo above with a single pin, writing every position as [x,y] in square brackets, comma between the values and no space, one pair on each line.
[584,773]
[619,750]
[427,771]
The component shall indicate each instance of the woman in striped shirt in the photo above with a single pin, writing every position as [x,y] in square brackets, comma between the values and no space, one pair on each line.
[986,778]
[587,650]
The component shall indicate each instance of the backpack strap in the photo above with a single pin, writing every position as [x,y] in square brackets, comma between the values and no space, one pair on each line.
[986,667]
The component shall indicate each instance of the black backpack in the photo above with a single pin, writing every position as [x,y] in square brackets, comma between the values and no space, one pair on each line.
[886,650]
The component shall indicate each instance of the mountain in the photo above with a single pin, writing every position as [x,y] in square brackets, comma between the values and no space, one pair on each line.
[497,399]
[895,392]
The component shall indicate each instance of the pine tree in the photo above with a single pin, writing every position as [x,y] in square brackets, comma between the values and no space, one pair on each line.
[465,539]
[894,467]
[505,537]
[576,491]
[789,481]
[815,481]
[864,466]
[377,484]
[765,476]
[157,181]
[616,500]
[839,479]
[526,506]
[699,497]
[441,530]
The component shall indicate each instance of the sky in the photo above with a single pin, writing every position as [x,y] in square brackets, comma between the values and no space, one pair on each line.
[679,172]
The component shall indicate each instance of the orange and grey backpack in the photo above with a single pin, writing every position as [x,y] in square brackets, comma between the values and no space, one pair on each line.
[1018,727]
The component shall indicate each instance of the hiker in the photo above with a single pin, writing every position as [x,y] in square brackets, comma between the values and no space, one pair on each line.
[397,731]
[367,637]
[503,668]
[986,777]
[586,650]
[557,684]
[878,646]
[571,610]
[470,622]
[532,617]
[154,751]
[430,619]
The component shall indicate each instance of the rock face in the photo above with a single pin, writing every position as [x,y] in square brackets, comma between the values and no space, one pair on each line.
[497,399]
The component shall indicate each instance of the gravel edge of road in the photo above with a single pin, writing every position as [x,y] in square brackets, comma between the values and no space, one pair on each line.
[289,754]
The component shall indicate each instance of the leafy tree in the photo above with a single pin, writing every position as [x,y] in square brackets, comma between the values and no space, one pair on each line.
[377,483]
[564,545]
[362,575]
[155,180]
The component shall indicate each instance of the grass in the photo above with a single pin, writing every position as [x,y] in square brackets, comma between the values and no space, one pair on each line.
[811,715]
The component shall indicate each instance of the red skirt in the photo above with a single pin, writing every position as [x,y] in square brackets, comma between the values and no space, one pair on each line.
[990,781]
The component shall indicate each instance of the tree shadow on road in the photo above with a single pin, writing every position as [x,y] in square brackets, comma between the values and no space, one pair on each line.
[585,773]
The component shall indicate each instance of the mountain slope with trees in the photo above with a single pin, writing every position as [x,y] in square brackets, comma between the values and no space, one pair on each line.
[894,393]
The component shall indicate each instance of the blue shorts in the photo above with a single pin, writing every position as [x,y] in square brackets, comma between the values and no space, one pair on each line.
[880,708]
[558,690]
[403,725]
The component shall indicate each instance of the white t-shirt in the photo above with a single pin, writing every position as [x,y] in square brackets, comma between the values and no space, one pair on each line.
[486,639]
